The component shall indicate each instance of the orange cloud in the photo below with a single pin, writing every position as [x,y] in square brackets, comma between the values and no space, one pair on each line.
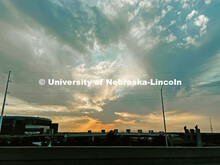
[124,122]
[81,124]
[175,120]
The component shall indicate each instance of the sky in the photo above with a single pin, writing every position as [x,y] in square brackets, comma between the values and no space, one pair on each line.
[117,39]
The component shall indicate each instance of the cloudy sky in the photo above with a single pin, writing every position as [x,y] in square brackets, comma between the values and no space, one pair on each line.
[119,39]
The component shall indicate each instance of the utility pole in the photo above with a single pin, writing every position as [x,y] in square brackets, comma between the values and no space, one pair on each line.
[211,125]
[164,122]
[3,106]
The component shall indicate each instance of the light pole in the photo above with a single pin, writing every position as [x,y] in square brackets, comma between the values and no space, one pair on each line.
[164,122]
[210,125]
[3,106]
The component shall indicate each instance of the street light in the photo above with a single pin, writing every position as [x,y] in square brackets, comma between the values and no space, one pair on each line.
[164,122]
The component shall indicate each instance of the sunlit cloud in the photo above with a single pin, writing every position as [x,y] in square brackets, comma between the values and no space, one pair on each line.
[154,120]
[82,124]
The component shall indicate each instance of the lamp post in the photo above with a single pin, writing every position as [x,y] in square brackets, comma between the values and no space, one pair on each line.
[164,122]
[3,106]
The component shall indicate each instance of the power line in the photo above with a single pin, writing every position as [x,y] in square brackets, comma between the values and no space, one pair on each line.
[168,97]
[151,99]
[24,82]
[129,91]
[183,82]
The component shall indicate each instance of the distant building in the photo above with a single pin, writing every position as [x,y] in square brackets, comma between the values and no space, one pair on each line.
[20,125]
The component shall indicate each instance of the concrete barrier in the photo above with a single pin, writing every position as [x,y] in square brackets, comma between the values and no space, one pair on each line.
[109,155]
